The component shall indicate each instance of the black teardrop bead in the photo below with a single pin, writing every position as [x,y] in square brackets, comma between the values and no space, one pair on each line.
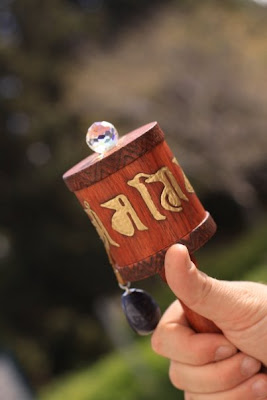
[141,310]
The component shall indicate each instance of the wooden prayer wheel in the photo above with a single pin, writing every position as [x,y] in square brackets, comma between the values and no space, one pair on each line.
[141,202]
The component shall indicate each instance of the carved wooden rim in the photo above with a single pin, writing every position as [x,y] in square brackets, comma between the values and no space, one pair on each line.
[130,147]
[155,264]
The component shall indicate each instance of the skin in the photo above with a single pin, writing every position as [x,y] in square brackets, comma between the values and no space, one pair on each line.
[223,366]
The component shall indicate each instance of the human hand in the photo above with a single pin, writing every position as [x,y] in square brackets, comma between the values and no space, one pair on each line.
[208,366]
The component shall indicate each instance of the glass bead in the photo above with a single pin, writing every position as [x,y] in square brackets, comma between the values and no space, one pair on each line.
[102,137]
[141,311]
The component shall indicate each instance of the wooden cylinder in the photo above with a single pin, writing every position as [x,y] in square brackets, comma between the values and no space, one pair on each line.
[140,201]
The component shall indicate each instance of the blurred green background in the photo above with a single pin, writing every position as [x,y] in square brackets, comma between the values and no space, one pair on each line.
[200,70]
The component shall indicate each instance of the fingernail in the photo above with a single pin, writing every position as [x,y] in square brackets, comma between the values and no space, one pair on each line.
[250,366]
[260,388]
[224,352]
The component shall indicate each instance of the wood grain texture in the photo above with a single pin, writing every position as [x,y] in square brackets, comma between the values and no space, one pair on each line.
[159,234]
[155,263]
[97,167]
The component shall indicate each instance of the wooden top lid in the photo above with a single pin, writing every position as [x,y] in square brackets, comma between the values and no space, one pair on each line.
[130,147]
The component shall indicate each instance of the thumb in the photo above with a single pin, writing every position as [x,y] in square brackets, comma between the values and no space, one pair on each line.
[239,309]
[208,297]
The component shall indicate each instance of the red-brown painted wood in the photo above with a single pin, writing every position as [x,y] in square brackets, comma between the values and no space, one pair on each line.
[199,323]
[160,234]
[167,211]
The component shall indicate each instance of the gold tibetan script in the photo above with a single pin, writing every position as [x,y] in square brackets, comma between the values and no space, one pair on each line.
[101,230]
[142,189]
[125,217]
[171,195]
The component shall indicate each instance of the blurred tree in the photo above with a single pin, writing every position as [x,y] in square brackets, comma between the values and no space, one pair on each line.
[44,261]
[48,250]
[203,79]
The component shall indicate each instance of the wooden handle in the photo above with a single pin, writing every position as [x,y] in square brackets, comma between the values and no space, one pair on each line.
[198,323]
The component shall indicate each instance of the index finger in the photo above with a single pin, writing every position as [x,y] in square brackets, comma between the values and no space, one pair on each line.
[174,339]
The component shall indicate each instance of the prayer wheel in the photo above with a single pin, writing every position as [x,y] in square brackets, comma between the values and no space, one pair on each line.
[141,202]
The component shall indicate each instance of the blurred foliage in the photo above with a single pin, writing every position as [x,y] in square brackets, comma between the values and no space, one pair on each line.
[249,250]
[44,304]
[66,63]
[200,71]
[119,375]
[49,252]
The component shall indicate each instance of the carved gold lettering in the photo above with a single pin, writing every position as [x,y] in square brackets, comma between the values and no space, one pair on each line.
[101,230]
[105,237]
[135,182]
[125,217]
[171,194]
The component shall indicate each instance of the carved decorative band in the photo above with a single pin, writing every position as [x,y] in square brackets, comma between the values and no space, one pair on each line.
[96,171]
[155,263]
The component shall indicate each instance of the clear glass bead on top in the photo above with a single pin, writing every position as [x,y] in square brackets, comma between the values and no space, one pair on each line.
[102,136]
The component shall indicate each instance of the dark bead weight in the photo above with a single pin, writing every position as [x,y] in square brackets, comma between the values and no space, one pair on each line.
[141,310]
